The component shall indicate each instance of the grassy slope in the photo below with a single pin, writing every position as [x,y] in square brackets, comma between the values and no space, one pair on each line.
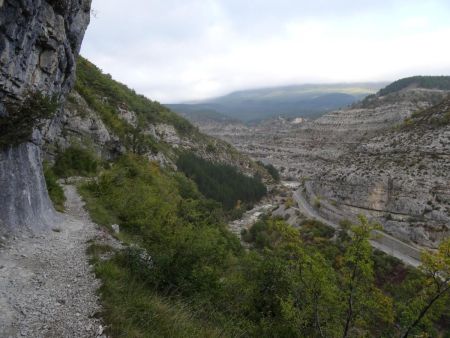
[136,310]
[104,95]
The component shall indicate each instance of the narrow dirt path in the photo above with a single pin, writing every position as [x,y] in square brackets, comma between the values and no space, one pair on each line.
[47,288]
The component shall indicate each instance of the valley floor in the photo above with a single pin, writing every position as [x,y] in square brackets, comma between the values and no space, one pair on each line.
[47,287]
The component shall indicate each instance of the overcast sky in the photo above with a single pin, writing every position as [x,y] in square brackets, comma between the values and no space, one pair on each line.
[177,50]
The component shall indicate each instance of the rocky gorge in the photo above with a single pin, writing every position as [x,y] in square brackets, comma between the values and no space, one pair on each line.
[386,157]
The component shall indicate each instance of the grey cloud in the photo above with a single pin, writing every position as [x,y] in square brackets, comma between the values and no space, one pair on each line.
[185,49]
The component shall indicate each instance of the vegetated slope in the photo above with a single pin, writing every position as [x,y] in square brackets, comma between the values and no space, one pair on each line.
[110,119]
[289,101]
[426,82]
[187,274]
[400,177]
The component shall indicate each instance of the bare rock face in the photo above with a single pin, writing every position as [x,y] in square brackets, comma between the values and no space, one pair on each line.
[77,124]
[400,178]
[39,43]
[23,197]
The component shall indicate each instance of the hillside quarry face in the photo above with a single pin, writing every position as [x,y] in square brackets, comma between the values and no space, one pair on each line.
[39,44]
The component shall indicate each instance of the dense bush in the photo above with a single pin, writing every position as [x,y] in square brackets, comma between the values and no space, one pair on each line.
[75,161]
[23,117]
[221,182]
[186,236]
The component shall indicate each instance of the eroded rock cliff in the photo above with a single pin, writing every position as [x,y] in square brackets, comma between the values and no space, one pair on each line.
[39,44]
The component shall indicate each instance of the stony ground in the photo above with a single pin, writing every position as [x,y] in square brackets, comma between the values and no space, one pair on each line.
[47,287]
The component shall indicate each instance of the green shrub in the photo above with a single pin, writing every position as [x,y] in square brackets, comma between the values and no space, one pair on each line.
[55,191]
[272,171]
[138,311]
[312,230]
[317,203]
[23,117]
[75,161]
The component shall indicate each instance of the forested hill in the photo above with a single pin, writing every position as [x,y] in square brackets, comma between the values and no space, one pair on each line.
[425,82]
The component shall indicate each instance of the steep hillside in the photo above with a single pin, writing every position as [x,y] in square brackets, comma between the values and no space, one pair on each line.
[290,101]
[110,119]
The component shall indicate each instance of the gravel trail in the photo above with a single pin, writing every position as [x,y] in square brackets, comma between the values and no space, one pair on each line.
[47,287]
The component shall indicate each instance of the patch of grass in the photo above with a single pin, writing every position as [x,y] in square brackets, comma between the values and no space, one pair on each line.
[317,202]
[132,309]
[97,210]
[55,191]
[96,249]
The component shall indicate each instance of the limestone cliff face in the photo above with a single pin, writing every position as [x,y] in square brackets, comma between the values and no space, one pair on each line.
[400,178]
[39,43]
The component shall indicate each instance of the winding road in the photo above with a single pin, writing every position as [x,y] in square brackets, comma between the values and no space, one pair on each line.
[381,241]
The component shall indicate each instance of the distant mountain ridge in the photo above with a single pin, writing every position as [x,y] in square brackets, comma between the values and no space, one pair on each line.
[425,82]
[309,100]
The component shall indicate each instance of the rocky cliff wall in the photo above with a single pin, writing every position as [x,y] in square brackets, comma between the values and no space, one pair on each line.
[401,178]
[39,43]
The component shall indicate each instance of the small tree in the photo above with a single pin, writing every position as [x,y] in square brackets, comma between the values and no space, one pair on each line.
[22,118]
[361,300]
[436,267]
